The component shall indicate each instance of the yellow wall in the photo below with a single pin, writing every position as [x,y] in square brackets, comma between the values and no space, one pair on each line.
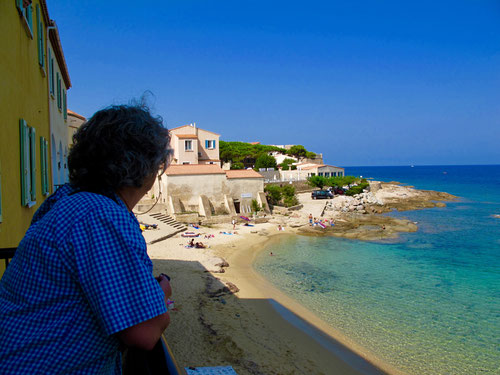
[23,94]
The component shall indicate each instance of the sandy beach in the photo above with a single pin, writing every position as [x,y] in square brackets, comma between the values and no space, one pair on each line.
[225,313]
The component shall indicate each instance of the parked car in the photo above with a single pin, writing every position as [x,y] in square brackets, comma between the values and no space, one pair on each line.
[321,194]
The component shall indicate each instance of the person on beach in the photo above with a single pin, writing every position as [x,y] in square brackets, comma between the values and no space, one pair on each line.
[310,219]
[80,287]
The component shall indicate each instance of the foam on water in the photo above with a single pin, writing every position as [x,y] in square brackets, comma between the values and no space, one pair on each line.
[428,303]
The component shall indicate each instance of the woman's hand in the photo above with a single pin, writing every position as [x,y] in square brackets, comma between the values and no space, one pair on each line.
[165,286]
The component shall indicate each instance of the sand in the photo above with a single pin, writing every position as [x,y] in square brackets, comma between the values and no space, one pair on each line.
[214,327]
[231,316]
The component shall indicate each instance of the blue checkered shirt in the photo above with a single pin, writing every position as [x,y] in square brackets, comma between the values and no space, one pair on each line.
[80,275]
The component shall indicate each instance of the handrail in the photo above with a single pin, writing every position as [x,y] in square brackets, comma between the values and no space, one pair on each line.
[7,253]
[159,360]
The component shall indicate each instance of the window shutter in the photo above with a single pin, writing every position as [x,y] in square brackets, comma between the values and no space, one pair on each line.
[44,165]
[25,162]
[29,16]
[215,145]
[65,109]
[33,162]
[39,32]
[58,90]
[19,5]
[51,72]
[206,144]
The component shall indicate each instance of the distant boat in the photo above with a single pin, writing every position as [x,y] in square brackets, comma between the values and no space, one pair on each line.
[412,166]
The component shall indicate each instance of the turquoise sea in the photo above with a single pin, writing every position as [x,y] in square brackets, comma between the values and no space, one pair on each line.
[427,303]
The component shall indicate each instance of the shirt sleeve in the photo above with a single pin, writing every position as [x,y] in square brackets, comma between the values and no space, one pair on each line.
[115,271]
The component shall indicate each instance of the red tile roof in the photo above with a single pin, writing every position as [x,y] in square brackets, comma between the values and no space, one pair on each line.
[178,127]
[74,114]
[243,173]
[193,169]
[186,136]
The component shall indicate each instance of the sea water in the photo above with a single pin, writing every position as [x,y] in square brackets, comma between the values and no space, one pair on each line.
[427,303]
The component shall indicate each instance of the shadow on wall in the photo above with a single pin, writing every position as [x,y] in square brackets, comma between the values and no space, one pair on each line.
[212,326]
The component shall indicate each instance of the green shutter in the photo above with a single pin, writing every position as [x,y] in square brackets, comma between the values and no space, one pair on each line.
[33,162]
[51,72]
[25,161]
[39,32]
[44,165]
[19,5]
[29,16]
[58,80]
[65,109]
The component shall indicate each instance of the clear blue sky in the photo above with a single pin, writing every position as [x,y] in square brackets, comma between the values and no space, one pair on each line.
[363,82]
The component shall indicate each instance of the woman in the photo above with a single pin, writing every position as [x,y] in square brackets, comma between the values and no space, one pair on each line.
[80,286]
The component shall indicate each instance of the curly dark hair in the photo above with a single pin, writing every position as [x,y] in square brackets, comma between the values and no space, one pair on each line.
[117,147]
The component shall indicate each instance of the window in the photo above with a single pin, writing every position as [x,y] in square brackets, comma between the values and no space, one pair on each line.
[210,144]
[26,15]
[320,174]
[188,145]
[44,147]
[51,73]
[40,38]
[28,163]
[186,162]
[59,95]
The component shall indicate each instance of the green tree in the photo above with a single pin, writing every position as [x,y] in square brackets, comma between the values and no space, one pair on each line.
[298,151]
[237,165]
[288,190]
[255,206]
[317,181]
[265,161]
[273,194]
[310,155]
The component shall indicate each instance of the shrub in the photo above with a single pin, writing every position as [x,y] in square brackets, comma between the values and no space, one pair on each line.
[317,181]
[291,201]
[356,189]
[237,165]
[255,206]
[273,194]
[288,191]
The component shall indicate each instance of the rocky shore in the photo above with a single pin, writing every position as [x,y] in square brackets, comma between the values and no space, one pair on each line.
[359,217]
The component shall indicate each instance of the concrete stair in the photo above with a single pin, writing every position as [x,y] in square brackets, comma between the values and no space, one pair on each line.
[167,227]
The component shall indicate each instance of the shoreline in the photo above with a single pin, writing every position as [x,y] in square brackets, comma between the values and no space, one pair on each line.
[228,314]
[328,341]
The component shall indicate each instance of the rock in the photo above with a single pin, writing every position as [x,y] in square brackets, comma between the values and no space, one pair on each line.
[232,288]
[222,264]
[440,204]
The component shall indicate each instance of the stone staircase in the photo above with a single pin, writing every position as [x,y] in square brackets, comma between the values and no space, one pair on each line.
[167,227]
[167,219]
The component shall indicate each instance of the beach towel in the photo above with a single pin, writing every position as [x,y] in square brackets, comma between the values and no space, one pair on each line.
[322,225]
[226,233]
[245,218]
[217,370]
[189,234]
[195,226]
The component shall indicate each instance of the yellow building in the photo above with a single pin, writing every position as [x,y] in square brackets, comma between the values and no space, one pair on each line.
[25,171]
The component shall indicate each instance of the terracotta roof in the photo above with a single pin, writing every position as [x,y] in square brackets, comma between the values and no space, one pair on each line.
[186,136]
[178,127]
[74,114]
[243,173]
[192,169]
[319,166]
[255,143]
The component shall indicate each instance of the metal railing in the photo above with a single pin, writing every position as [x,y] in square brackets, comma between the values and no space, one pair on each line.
[6,254]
